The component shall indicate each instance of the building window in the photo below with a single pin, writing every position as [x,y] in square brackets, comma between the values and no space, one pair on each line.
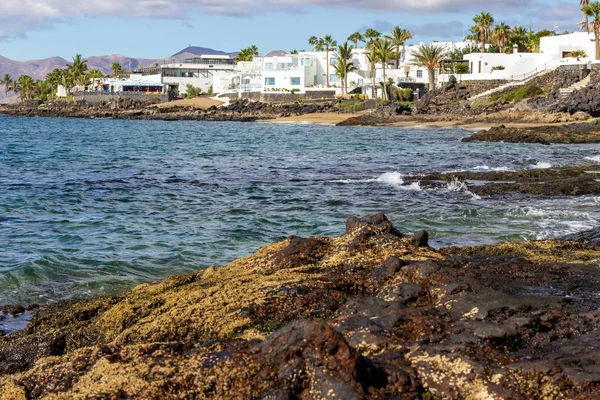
[333,61]
[334,78]
[295,81]
[269,67]
[419,73]
[269,81]
[306,62]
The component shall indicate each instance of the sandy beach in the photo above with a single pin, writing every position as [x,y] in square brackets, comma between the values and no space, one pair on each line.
[201,103]
[318,118]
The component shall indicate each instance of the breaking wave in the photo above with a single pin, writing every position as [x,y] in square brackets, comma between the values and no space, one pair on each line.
[594,158]
[541,165]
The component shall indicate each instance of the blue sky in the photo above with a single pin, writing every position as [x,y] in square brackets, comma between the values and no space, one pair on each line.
[33,29]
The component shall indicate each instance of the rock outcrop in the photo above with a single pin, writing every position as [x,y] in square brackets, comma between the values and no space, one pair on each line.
[547,182]
[587,132]
[238,110]
[373,314]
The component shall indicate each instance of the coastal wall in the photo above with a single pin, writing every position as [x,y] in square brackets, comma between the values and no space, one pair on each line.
[96,98]
[282,97]
[477,87]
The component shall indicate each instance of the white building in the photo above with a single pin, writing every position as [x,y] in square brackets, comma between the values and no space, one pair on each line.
[134,83]
[199,72]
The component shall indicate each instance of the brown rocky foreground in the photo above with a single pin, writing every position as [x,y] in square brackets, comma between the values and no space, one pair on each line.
[373,314]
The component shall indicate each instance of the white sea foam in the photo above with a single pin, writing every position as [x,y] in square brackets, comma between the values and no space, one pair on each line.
[594,158]
[391,178]
[458,186]
[534,212]
[487,168]
[395,179]
[541,165]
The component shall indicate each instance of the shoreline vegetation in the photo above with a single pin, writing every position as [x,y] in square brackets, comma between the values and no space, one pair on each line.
[374,313]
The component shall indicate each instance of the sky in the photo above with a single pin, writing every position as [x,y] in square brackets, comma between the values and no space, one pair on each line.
[36,29]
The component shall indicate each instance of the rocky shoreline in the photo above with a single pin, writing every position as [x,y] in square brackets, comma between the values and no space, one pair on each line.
[587,132]
[372,314]
[239,110]
[550,182]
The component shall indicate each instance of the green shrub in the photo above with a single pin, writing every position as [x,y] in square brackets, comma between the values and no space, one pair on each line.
[192,91]
[210,90]
[407,94]
[523,93]
[460,68]
[352,105]
[498,68]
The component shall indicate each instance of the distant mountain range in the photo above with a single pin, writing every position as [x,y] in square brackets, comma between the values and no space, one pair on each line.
[39,68]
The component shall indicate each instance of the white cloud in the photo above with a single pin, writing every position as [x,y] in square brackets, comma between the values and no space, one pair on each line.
[20,16]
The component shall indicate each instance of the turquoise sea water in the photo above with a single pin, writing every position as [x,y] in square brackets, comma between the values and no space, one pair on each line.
[97,206]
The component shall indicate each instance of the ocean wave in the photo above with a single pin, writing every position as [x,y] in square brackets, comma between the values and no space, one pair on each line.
[534,212]
[541,165]
[396,179]
[594,158]
[487,168]
[458,186]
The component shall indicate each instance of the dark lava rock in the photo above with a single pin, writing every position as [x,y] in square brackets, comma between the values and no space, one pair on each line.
[332,318]
[589,238]
[564,134]
[421,239]
[12,309]
[389,268]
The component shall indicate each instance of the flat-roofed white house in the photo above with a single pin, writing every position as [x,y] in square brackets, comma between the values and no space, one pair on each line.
[198,71]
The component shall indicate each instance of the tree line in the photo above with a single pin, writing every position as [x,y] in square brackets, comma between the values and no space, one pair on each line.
[74,74]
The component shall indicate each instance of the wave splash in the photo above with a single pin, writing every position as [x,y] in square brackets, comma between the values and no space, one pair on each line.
[457,186]
[594,158]
[541,165]
[396,179]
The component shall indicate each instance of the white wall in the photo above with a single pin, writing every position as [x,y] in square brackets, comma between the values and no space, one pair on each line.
[556,45]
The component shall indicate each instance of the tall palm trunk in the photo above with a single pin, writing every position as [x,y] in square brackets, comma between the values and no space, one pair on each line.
[431,72]
[385,96]
[586,21]
[327,64]
[597,37]
[398,57]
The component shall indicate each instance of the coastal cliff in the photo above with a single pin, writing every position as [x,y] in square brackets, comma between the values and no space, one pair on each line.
[372,314]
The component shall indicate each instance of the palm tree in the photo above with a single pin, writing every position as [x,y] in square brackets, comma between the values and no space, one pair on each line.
[398,38]
[116,68]
[294,52]
[371,34]
[328,44]
[343,69]
[429,56]
[372,59]
[578,54]
[96,74]
[355,38]
[501,34]
[518,36]
[313,41]
[592,11]
[8,83]
[384,50]
[585,25]
[25,86]
[253,50]
[484,22]
[473,35]
[344,65]
[79,66]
